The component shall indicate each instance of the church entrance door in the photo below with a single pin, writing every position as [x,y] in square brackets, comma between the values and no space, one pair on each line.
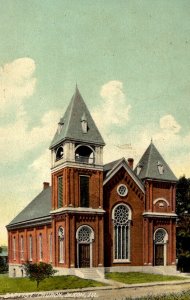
[84,255]
[159,255]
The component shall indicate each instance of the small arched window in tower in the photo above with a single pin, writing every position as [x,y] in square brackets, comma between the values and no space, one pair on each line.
[160,168]
[60,191]
[84,123]
[59,153]
[84,154]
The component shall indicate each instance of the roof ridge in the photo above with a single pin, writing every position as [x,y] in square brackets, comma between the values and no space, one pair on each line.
[70,112]
[149,158]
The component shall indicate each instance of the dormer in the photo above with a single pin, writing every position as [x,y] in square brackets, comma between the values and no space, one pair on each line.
[84,123]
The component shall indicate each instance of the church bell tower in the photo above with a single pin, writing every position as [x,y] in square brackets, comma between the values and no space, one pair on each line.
[77,188]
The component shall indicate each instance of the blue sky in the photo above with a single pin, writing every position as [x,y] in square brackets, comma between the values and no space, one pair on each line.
[131,61]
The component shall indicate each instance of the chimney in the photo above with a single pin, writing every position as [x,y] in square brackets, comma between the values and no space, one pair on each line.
[45,185]
[130,162]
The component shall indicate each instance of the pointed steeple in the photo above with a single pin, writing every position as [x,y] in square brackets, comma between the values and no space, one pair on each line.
[152,165]
[71,124]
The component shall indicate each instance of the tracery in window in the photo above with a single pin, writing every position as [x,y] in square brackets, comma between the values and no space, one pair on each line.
[84,235]
[160,236]
[122,190]
[121,216]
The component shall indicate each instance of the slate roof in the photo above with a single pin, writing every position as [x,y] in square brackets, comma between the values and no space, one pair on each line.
[149,163]
[38,208]
[107,167]
[71,127]
[112,167]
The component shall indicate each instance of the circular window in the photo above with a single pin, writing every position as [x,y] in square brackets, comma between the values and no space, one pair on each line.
[122,190]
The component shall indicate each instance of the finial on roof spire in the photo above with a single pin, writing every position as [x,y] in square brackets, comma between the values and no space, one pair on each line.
[151,140]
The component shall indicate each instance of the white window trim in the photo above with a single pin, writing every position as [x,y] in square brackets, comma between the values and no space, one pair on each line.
[161,199]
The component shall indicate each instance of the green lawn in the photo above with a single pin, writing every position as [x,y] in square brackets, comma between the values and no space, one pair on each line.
[17,285]
[179,296]
[136,277]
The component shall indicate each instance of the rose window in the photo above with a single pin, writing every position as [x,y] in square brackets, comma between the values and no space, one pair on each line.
[121,215]
[122,190]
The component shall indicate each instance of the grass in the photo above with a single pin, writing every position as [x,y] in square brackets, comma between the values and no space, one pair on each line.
[137,277]
[19,285]
[178,296]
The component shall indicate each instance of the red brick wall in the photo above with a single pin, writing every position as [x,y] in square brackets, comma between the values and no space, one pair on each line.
[71,192]
[135,200]
[34,232]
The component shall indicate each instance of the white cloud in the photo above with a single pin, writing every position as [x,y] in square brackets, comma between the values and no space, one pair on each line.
[41,167]
[114,109]
[16,82]
[16,139]
[168,122]
[174,148]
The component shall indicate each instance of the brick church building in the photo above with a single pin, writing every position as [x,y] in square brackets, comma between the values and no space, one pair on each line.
[95,217]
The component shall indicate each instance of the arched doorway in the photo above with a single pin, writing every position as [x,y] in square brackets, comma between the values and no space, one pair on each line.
[160,247]
[85,237]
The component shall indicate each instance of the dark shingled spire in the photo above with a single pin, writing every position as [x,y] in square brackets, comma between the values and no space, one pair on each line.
[152,165]
[71,127]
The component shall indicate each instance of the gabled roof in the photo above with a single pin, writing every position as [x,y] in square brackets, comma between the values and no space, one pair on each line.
[112,168]
[39,208]
[150,163]
[71,127]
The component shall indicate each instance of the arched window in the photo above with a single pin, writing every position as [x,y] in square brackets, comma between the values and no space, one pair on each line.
[50,247]
[61,244]
[160,236]
[84,154]
[121,216]
[14,248]
[40,247]
[160,247]
[85,237]
[21,248]
[30,248]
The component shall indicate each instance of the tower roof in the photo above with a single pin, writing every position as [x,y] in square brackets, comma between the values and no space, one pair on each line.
[152,165]
[70,126]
